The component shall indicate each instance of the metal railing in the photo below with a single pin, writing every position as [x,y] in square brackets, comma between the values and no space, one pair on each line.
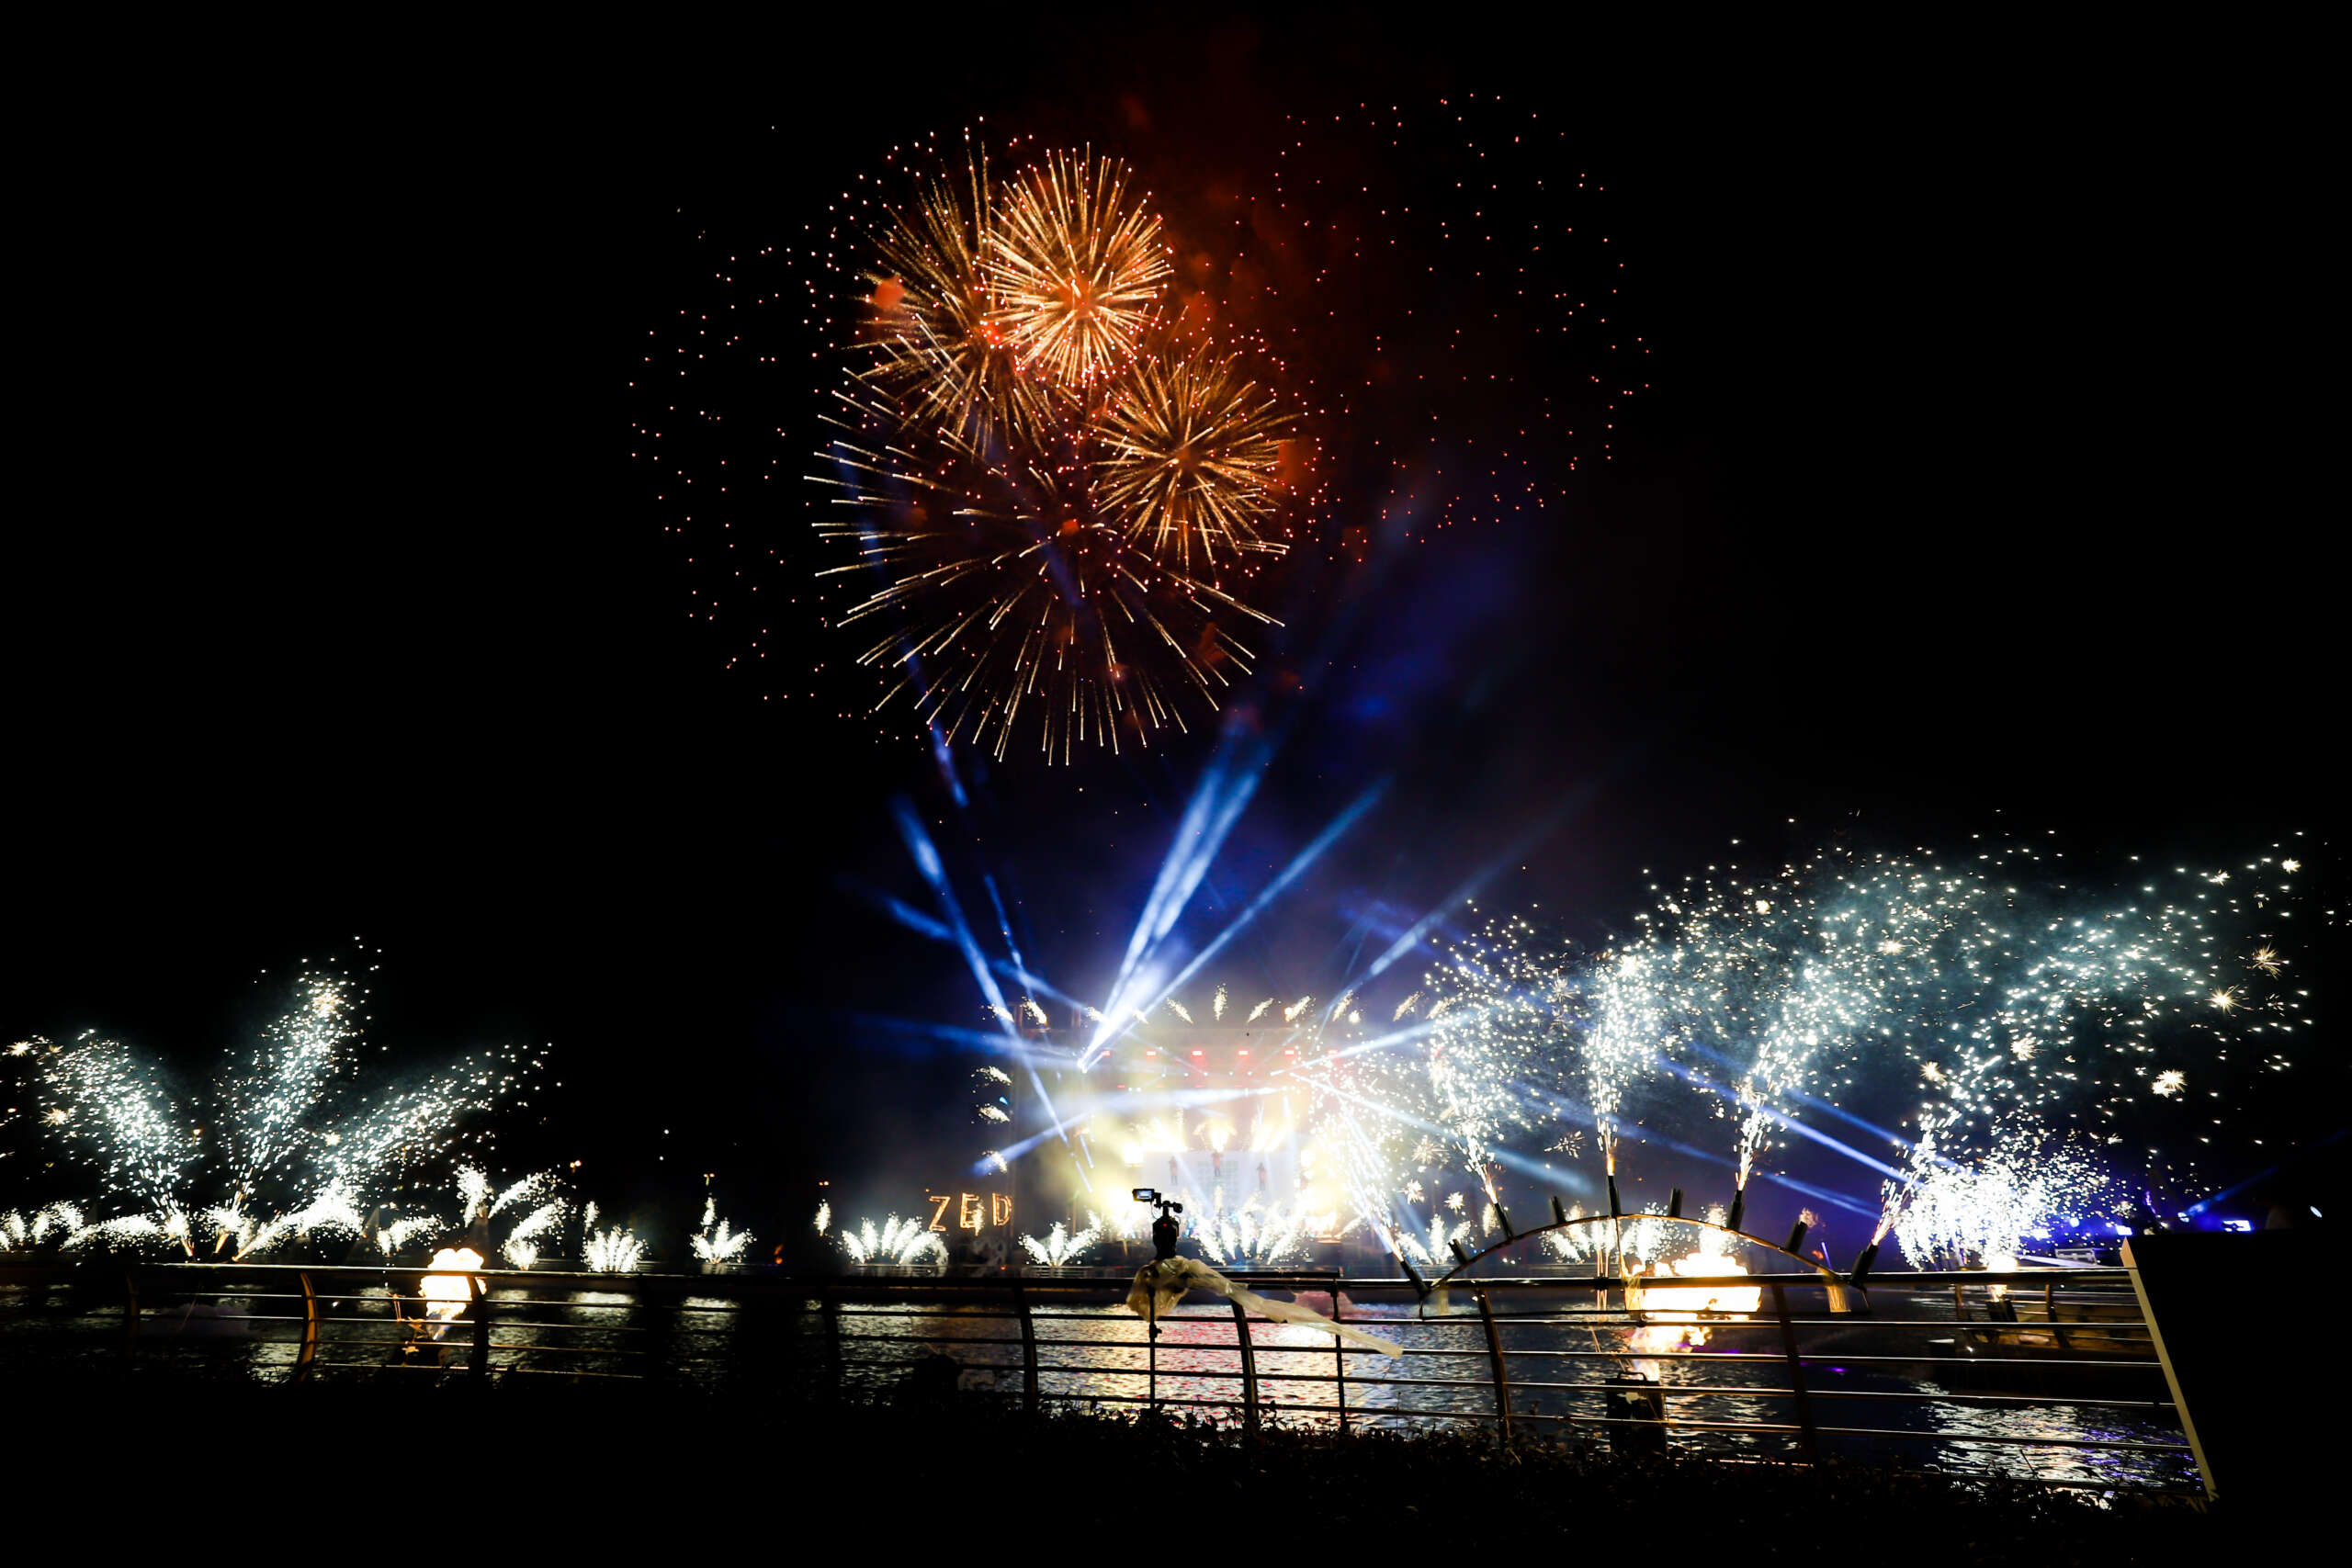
[2052,1364]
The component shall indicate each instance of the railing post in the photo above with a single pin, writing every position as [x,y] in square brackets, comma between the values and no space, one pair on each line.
[1340,1360]
[307,1355]
[130,1313]
[1796,1376]
[2049,1311]
[1495,1356]
[831,1309]
[480,1368]
[1249,1370]
[1028,1351]
[1151,1347]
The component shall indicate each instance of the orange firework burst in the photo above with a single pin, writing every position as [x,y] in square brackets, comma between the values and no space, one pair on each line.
[1077,265]
[1189,456]
[1006,599]
[941,351]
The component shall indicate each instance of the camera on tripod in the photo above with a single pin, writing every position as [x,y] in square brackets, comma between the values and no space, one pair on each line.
[1168,1228]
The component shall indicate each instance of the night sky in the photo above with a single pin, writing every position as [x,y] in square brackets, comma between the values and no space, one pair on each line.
[1964,493]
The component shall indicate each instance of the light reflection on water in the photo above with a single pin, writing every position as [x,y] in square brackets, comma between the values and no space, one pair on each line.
[1097,1353]
[1448,1360]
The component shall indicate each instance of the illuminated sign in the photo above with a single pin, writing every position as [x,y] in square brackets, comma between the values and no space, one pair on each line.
[974,1211]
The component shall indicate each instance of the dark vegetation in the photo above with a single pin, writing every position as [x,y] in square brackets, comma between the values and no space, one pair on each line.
[957,1473]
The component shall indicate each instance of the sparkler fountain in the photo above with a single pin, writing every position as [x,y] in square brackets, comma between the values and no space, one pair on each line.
[284,1133]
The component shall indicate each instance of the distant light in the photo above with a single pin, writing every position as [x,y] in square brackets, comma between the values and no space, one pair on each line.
[2122,1230]
[1244,1051]
[2237,1224]
[1196,1053]
[2315,1214]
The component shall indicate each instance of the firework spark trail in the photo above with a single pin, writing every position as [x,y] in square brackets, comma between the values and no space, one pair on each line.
[278,1139]
[411,1126]
[1060,1248]
[545,1220]
[95,1094]
[2024,1006]
[895,1241]
[473,1193]
[1029,482]
[1078,268]
[266,1102]
[1250,1237]
[613,1251]
[394,1236]
[716,1242]
[1987,1214]
[1003,586]
[1188,458]
[935,322]
[1433,1248]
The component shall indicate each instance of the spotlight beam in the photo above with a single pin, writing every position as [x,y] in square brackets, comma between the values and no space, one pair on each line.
[1468,888]
[1225,791]
[1778,1118]
[1640,1135]
[1015,1049]
[1331,835]
[1508,1159]
[927,861]
[921,924]
[1813,1104]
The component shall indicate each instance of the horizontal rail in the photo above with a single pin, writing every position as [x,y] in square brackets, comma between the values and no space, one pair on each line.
[869,1330]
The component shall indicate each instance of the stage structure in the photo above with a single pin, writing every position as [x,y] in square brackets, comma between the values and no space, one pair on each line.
[1208,1111]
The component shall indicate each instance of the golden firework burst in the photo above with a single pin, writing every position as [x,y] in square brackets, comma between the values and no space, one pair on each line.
[941,352]
[1077,265]
[1189,458]
[1008,599]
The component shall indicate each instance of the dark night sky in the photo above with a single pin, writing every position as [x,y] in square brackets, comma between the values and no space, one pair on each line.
[1970,482]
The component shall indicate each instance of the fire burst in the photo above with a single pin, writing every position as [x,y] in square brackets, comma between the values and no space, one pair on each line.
[1190,458]
[1078,265]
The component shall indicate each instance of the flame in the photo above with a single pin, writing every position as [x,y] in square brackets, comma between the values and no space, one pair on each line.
[1672,1313]
[447,1296]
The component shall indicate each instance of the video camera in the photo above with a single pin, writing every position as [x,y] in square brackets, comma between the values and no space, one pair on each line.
[1168,1228]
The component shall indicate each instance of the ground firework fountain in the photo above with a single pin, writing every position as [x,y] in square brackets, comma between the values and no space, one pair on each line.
[2018,1025]
[282,1144]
